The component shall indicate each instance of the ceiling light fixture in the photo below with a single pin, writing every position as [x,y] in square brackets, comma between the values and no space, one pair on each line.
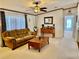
[37,9]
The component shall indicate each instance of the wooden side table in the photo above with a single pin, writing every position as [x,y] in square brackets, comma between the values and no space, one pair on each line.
[48,30]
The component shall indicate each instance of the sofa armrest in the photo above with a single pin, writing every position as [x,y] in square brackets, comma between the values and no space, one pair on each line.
[9,37]
[10,42]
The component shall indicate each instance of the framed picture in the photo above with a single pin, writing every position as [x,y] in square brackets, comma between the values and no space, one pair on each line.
[48,20]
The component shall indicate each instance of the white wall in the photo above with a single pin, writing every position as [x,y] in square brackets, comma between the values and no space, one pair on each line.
[78,17]
[73,11]
[77,29]
[31,21]
[57,20]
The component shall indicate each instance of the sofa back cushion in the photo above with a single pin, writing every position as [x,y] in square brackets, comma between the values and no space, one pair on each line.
[17,33]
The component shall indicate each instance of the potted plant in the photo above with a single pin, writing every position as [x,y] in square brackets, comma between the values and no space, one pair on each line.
[35,28]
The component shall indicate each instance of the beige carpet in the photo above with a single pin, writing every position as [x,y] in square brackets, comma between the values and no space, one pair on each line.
[63,48]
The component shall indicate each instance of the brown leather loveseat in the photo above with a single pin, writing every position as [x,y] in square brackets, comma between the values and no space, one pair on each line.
[16,38]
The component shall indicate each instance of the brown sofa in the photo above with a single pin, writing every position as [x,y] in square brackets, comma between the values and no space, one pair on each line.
[16,38]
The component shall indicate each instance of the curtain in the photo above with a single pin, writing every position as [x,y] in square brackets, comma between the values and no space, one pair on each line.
[15,21]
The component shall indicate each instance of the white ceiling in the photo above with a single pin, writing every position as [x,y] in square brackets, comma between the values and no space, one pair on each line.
[50,4]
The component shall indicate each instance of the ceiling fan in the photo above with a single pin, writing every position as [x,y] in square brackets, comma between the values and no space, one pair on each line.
[37,8]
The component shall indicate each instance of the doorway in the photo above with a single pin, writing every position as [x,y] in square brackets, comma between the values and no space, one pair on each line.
[69,25]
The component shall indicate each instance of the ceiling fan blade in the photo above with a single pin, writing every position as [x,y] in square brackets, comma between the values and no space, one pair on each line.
[43,8]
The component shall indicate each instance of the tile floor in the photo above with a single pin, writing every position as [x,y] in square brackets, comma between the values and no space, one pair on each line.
[58,48]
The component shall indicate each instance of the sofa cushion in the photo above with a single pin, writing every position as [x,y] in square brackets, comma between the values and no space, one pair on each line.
[28,37]
[25,38]
[12,33]
[19,40]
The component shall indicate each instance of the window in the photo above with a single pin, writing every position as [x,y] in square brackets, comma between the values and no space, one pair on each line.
[14,21]
[20,22]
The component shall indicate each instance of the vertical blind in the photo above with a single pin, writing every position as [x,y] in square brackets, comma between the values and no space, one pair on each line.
[14,21]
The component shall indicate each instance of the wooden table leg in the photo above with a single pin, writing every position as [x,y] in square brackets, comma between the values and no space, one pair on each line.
[39,50]
[53,34]
[78,44]
[48,41]
[42,34]
[28,46]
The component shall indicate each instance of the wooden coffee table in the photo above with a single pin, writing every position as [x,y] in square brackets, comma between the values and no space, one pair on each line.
[38,42]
